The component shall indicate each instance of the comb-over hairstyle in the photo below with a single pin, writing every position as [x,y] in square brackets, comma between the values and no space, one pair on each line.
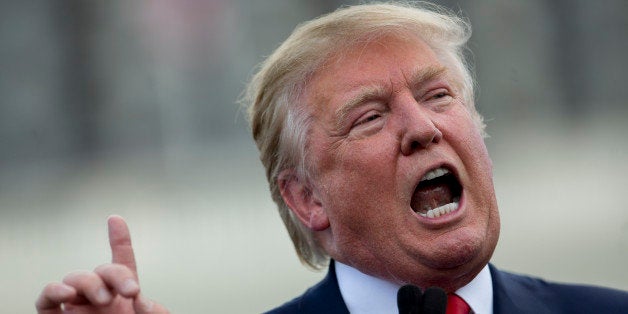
[279,116]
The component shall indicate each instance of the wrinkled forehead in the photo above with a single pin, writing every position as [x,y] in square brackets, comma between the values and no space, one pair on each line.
[348,68]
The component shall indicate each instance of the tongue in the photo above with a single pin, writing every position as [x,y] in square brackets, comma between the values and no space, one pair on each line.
[430,197]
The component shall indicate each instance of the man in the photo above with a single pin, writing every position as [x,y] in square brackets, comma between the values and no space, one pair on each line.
[374,153]
[375,156]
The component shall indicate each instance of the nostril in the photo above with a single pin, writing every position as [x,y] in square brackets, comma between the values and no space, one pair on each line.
[414,145]
[419,138]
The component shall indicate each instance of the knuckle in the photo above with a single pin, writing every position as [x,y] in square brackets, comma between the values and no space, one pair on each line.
[107,270]
[50,288]
[79,276]
[103,269]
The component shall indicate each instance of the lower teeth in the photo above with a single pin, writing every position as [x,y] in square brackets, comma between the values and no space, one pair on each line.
[442,210]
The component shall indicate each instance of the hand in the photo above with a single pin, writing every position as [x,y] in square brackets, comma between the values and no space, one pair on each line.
[110,288]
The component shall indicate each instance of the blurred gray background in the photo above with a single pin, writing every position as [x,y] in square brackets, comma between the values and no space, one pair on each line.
[128,107]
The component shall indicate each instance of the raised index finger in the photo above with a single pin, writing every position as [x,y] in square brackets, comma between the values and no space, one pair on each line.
[120,242]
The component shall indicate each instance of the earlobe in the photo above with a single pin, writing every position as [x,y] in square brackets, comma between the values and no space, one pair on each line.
[303,202]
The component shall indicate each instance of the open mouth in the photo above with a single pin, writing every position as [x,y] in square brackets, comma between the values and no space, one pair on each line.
[437,194]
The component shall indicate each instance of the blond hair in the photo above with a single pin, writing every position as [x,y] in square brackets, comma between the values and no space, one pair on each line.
[279,117]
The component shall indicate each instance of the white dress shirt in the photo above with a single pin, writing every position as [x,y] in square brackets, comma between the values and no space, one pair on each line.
[364,294]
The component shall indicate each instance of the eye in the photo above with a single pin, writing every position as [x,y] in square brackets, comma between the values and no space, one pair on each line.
[438,99]
[368,117]
[440,95]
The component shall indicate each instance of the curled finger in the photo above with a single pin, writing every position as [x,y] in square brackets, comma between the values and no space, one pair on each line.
[52,296]
[120,278]
[89,285]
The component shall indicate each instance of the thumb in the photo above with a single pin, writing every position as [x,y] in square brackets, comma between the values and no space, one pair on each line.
[143,305]
[120,242]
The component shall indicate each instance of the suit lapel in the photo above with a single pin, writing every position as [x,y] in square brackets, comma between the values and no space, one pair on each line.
[516,294]
[325,297]
[502,300]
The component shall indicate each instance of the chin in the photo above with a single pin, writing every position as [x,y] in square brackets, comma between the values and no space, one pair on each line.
[456,250]
[458,259]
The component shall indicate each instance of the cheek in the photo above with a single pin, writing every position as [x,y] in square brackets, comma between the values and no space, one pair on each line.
[357,180]
[365,161]
[467,143]
[479,155]
[468,140]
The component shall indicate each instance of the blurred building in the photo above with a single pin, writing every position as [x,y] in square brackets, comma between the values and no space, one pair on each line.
[130,107]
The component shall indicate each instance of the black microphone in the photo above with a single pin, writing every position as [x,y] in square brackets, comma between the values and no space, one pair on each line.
[409,300]
[434,301]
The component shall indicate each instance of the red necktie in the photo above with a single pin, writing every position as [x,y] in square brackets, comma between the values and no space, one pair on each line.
[456,305]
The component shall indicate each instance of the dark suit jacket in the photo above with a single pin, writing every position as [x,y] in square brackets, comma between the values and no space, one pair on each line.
[512,294]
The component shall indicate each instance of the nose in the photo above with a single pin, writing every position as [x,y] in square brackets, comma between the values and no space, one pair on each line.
[419,132]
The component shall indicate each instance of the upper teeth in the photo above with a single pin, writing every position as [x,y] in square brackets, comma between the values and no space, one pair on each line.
[438,172]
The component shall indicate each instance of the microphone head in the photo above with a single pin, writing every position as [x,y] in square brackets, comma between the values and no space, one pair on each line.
[409,299]
[434,301]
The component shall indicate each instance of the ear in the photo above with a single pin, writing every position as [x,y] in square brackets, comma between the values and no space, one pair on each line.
[301,199]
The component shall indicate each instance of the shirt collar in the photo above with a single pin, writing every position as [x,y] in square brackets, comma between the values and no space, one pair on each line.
[479,292]
[363,293]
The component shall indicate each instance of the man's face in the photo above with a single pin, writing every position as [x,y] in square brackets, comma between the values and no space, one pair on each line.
[387,117]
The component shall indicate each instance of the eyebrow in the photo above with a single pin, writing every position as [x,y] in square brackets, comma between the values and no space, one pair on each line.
[365,94]
[417,78]
[421,76]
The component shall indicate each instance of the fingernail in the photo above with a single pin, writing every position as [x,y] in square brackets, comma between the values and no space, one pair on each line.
[130,287]
[103,296]
[145,303]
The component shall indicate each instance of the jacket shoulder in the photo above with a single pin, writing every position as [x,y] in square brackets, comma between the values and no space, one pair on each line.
[515,293]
